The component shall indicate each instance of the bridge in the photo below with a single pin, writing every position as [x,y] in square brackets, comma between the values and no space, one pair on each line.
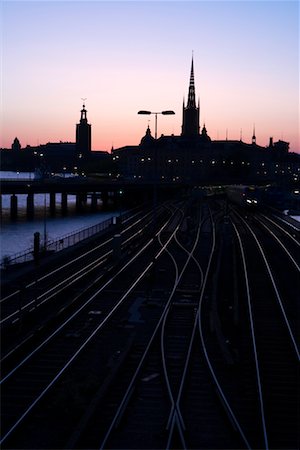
[103,189]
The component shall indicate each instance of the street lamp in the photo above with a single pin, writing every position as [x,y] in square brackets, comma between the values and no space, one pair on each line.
[165,113]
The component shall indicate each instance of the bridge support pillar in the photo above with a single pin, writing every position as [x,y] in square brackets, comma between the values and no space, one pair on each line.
[94,202]
[13,206]
[30,205]
[52,203]
[104,198]
[64,203]
[79,202]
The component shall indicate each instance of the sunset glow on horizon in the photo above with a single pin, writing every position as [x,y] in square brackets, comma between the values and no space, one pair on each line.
[127,56]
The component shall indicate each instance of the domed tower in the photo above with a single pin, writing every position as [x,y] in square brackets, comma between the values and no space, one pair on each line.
[16,146]
[190,112]
[148,139]
[83,135]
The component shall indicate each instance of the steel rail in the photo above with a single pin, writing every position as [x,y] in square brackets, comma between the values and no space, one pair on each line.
[59,287]
[209,363]
[177,279]
[76,259]
[258,378]
[274,287]
[130,387]
[174,406]
[67,282]
[84,344]
[282,229]
[287,223]
[175,419]
[279,242]
[79,310]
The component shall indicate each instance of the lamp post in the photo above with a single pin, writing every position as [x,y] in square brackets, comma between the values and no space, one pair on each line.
[165,113]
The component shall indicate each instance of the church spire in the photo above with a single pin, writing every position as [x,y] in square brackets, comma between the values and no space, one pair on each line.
[191,97]
[190,113]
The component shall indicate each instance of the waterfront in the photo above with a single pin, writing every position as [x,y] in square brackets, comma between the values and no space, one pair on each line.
[17,236]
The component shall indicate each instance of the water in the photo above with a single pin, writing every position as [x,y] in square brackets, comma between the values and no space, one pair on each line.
[296,218]
[17,236]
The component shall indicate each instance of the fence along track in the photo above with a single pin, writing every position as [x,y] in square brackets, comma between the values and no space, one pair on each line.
[74,260]
[67,281]
[61,243]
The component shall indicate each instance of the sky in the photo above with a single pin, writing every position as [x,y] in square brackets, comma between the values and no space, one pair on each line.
[124,56]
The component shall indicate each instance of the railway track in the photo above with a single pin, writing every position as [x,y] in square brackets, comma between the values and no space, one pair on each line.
[189,343]
[41,369]
[25,311]
[271,311]
[149,414]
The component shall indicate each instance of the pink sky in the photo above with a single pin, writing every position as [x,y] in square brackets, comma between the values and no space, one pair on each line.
[128,56]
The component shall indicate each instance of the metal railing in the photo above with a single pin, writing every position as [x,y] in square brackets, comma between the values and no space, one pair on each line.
[61,243]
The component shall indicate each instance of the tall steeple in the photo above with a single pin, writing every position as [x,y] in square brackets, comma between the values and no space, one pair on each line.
[190,113]
[83,135]
[191,97]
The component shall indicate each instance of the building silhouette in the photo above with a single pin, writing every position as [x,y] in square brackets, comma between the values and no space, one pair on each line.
[189,158]
[194,158]
[83,135]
